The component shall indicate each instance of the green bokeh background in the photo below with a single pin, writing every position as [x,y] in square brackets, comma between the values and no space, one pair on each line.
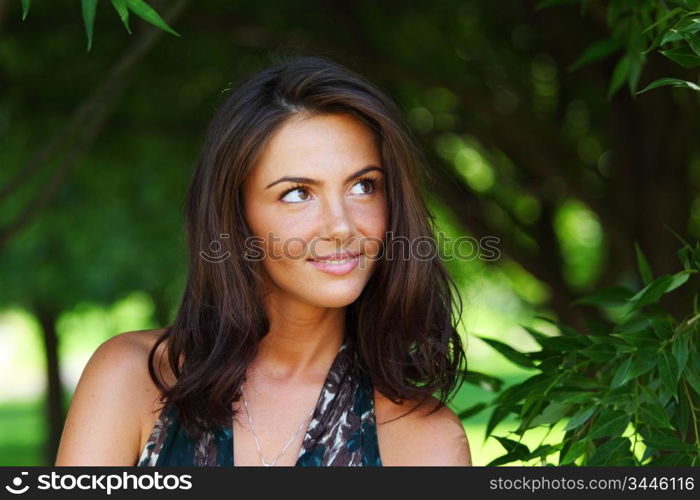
[537,156]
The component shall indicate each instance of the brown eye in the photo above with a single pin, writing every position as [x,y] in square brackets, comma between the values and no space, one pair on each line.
[288,198]
[368,185]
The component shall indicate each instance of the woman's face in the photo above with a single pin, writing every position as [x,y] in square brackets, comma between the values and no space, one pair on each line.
[339,207]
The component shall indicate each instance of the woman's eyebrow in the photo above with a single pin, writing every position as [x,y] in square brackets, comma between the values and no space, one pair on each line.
[315,182]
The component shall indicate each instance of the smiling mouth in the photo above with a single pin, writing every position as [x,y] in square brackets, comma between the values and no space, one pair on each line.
[338,267]
[335,262]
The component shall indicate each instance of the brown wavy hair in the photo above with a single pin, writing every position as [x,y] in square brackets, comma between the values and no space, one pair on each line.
[402,324]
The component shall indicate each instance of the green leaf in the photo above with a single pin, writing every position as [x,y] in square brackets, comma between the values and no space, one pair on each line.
[505,459]
[539,337]
[620,73]
[580,417]
[564,329]
[472,410]
[606,297]
[147,13]
[662,326]
[599,352]
[617,397]
[614,452]
[499,413]
[513,447]
[651,293]
[595,52]
[571,397]
[642,362]
[693,42]
[679,348]
[509,353]
[663,442]
[683,56]
[643,265]
[638,338]
[635,69]
[654,415]
[552,414]
[681,417]
[663,19]
[609,423]
[668,369]
[678,280]
[675,82]
[25,8]
[89,10]
[485,382]
[543,451]
[574,452]
[672,460]
[123,10]
[622,373]
[693,379]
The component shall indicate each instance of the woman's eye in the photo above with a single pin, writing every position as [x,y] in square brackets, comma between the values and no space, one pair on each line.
[289,198]
[368,186]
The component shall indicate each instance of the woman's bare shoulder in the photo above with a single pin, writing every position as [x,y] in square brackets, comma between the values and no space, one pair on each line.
[113,399]
[420,437]
[132,349]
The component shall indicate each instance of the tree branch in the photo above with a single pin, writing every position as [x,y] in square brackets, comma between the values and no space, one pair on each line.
[82,128]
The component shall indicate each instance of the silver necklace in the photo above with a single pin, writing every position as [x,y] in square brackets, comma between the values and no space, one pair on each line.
[257,441]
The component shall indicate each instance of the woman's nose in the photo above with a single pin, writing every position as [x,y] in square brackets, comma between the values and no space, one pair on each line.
[337,222]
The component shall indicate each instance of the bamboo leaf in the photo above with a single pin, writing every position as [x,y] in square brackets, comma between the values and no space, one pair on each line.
[683,56]
[643,265]
[621,375]
[485,382]
[654,415]
[574,452]
[680,352]
[552,414]
[509,353]
[89,8]
[505,459]
[668,369]
[672,460]
[580,417]
[615,452]
[652,292]
[473,410]
[663,442]
[609,423]
[620,73]
[123,10]
[513,447]
[25,8]
[147,13]
[607,297]
[595,52]
[674,82]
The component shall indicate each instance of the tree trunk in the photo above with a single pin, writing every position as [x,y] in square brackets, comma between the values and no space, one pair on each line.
[55,414]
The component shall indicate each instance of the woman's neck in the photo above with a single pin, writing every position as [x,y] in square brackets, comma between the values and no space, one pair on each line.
[301,343]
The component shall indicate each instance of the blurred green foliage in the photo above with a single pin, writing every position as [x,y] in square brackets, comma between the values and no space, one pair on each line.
[517,105]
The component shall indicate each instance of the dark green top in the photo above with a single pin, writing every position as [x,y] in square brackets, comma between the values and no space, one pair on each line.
[342,430]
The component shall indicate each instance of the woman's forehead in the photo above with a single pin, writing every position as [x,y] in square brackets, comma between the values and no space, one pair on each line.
[319,146]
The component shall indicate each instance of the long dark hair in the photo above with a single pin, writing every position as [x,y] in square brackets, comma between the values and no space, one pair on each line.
[402,324]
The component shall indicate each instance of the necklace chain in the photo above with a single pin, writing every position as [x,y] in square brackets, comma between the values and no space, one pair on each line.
[257,441]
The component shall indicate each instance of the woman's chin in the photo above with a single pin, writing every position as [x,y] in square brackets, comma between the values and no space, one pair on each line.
[333,297]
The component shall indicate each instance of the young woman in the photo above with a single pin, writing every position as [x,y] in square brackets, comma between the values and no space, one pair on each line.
[313,328]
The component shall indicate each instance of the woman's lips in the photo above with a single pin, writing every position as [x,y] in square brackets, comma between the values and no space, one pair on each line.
[336,267]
